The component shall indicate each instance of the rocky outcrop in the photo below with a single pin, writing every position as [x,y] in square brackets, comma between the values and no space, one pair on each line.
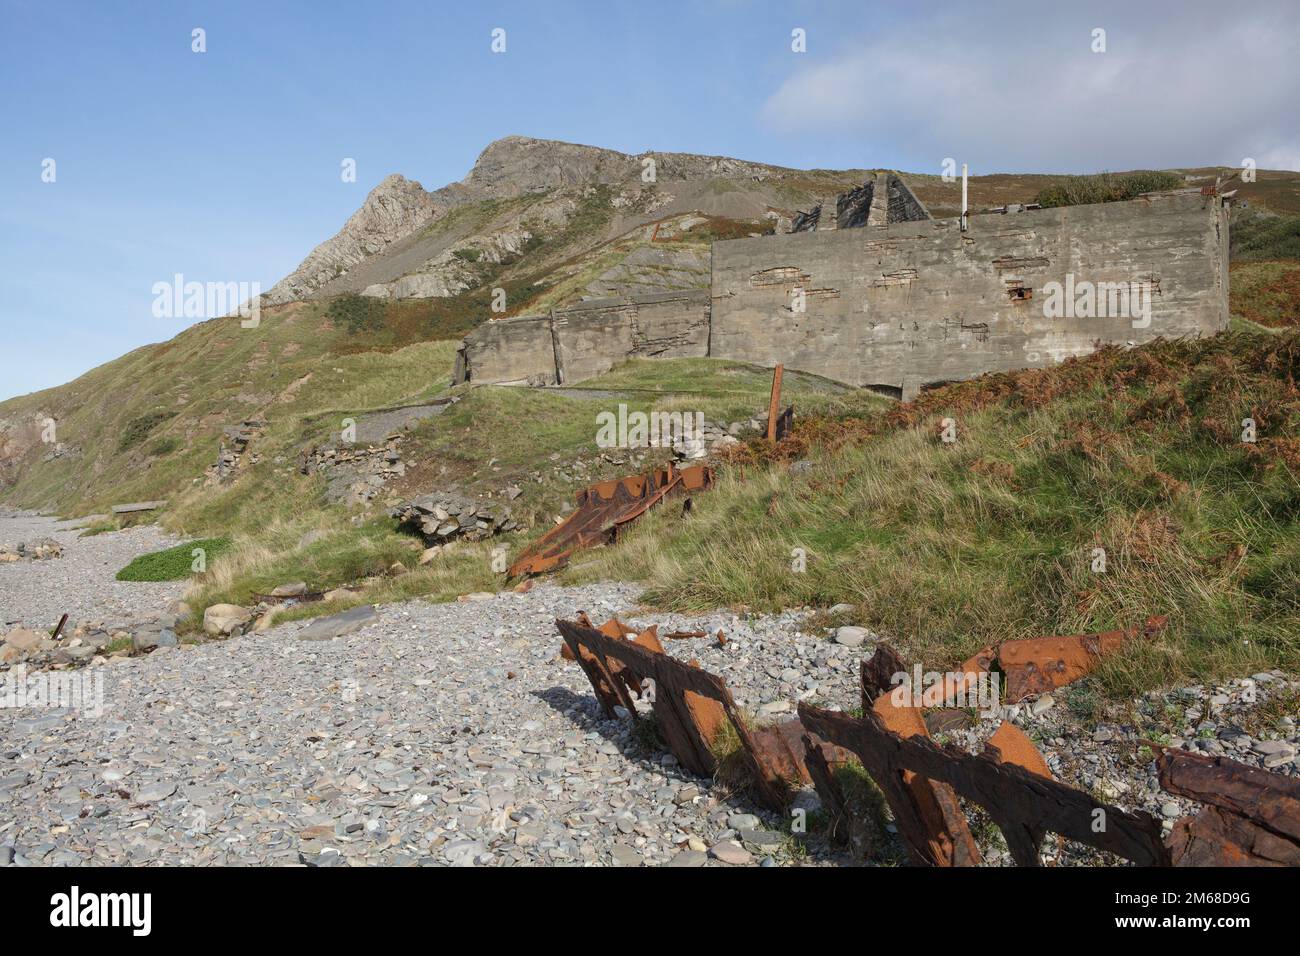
[455,270]
[400,209]
[394,209]
[520,165]
[648,270]
[18,436]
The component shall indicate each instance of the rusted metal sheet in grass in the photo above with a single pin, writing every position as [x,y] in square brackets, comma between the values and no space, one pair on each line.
[603,509]
[1042,664]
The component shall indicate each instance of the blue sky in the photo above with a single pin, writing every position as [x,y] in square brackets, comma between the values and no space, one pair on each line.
[224,166]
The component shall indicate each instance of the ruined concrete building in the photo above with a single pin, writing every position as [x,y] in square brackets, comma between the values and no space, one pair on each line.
[881,295]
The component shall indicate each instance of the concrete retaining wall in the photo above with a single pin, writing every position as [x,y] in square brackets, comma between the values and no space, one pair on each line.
[921,302]
[586,339]
[898,305]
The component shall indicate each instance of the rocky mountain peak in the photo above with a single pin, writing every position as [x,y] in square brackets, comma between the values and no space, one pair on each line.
[508,168]
[392,210]
[518,165]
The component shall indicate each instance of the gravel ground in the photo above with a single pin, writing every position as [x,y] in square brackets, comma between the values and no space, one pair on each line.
[447,733]
[454,734]
[80,583]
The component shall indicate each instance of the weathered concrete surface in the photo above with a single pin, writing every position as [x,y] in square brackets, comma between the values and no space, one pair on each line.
[593,336]
[586,339]
[515,351]
[921,302]
[896,305]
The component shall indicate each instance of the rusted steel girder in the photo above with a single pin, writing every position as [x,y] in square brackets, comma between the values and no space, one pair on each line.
[603,510]
[1023,804]
[1253,817]
[691,707]
[1038,665]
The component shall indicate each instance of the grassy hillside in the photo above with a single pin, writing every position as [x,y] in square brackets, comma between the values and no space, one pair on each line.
[949,547]
[543,443]
[149,423]
[944,547]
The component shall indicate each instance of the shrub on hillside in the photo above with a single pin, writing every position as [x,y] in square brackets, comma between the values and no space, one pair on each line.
[173,564]
[138,429]
[356,313]
[1106,187]
[1256,235]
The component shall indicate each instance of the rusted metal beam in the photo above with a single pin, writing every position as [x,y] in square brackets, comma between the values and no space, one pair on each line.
[1253,817]
[785,423]
[774,402]
[1038,665]
[603,509]
[929,818]
[1218,837]
[1020,802]
[691,707]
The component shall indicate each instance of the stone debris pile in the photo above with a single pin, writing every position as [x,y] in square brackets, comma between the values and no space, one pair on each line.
[80,643]
[236,440]
[356,474]
[442,516]
[37,549]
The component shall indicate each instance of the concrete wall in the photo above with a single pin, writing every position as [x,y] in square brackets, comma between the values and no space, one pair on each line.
[516,351]
[896,305]
[920,302]
[586,339]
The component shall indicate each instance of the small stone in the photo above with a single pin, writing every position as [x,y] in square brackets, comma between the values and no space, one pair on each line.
[851,636]
[625,855]
[729,851]
[154,792]
[688,858]
[743,821]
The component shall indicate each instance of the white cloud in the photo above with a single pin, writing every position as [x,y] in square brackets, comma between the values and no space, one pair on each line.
[1017,87]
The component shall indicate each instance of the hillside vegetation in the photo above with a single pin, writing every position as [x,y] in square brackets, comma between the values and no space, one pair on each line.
[946,548]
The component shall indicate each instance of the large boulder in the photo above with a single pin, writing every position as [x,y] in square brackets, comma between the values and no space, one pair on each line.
[223,619]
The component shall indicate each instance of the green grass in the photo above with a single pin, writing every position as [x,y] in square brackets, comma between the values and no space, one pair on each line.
[947,548]
[1266,293]
[1259,235]
[173,564]
[477,446]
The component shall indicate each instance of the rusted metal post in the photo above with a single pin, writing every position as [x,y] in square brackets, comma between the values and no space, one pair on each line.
[774,402]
